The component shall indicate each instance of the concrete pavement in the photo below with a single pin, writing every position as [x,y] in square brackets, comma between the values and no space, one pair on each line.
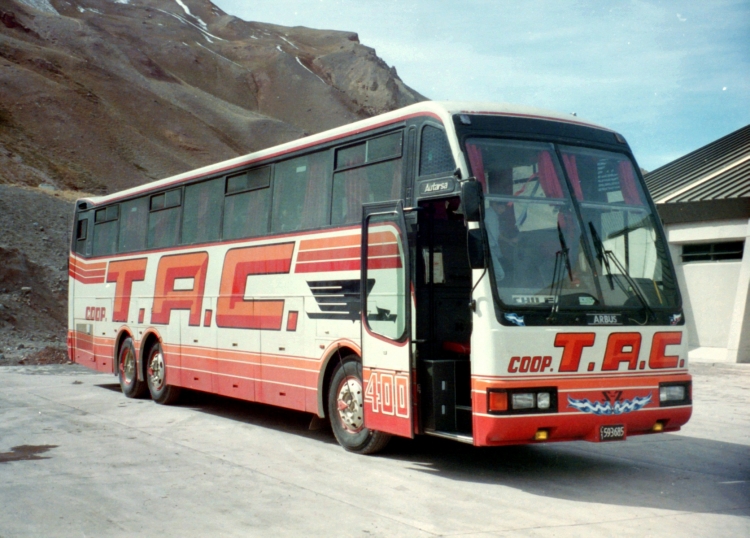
[98,464]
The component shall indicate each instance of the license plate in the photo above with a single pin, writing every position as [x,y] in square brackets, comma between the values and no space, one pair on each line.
[614,432]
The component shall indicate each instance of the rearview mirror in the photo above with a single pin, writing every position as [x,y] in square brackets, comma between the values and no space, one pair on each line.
[475,244]
[472,200]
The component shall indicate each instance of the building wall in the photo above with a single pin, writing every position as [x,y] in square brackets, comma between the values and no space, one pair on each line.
[715,293]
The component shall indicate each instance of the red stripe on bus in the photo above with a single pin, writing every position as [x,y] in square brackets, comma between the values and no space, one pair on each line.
[329,254]
[346,253]
[328,266]
[391,262]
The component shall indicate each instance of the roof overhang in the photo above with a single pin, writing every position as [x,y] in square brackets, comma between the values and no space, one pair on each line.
[706,210]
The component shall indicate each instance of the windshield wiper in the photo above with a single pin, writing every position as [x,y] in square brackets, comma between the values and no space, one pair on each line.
[562,260]
[601,256]
[604,255]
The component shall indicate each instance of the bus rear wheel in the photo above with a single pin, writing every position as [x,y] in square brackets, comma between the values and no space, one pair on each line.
[156,377]
[127,367]
[346,410]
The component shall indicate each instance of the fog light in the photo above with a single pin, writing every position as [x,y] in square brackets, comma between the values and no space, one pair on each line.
[658,427]
[523,400]
[671,393]
[498,401]
[541,435]
[543,400]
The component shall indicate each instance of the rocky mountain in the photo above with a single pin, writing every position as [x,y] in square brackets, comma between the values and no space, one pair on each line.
[101,95]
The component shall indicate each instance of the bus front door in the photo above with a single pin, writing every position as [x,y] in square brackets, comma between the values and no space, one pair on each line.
[386,320]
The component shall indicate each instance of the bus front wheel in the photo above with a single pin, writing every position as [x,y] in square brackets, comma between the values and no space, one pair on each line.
[346,410]
[127,366]
[156,377]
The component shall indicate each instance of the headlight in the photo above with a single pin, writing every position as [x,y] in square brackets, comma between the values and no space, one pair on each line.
[671,393]
[674,394]
[523,400]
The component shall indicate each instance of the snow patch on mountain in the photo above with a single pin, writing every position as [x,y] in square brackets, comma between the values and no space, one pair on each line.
[40,5]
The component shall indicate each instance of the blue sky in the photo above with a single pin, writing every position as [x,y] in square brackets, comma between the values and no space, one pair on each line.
[670,76]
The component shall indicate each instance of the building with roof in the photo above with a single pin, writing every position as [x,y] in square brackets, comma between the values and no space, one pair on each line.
[703,200]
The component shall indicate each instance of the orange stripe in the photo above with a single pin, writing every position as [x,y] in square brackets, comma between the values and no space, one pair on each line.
[86,279]
[330,242]
[97,266]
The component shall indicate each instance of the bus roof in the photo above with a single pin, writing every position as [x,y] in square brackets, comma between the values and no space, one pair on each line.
[441,110]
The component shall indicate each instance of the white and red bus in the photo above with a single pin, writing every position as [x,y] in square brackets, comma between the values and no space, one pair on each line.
[492,274]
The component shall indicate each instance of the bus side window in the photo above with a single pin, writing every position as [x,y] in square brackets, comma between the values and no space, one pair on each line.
[435,155]
[201,218]
[301,193]
[164,219]
[83,236]
[105,230]
[133,224]
[246,203]
[367,172]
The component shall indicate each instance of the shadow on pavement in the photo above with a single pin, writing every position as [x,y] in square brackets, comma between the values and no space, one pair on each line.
[666,471]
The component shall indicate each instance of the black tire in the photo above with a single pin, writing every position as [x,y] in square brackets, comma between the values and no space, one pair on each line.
[127,371]
[156,377]
[346,410]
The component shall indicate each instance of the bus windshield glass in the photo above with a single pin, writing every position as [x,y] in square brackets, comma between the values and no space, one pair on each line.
[569,227]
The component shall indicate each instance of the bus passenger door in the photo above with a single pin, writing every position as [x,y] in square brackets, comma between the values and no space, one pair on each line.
[386,325]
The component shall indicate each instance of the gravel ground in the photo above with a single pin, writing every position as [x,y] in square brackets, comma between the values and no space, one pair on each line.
[34,237]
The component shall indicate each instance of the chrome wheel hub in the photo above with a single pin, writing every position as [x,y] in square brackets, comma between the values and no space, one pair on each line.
[156,370]
[127,366]
[349,404]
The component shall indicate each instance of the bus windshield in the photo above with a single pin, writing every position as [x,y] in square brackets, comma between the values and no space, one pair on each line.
[569,227]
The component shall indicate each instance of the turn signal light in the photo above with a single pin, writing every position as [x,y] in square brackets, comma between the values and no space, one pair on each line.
[498,401]
[658,427]
[541,435]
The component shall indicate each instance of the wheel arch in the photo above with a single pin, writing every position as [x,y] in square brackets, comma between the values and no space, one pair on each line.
[124,333]
[333,353]
[149,339]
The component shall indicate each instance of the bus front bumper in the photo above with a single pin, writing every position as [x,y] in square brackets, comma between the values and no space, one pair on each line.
[590,409]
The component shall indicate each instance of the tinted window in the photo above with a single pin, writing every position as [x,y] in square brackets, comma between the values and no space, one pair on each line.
[133,225]
[84,234]
[371,151]
[377,180]
[300,193]
[201,219]
[384,147]
[435,155]
[366,184]
[246,204]
[82,229]
[107,213]
[164,219]
[351,156]
[249,180]
[105,230]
